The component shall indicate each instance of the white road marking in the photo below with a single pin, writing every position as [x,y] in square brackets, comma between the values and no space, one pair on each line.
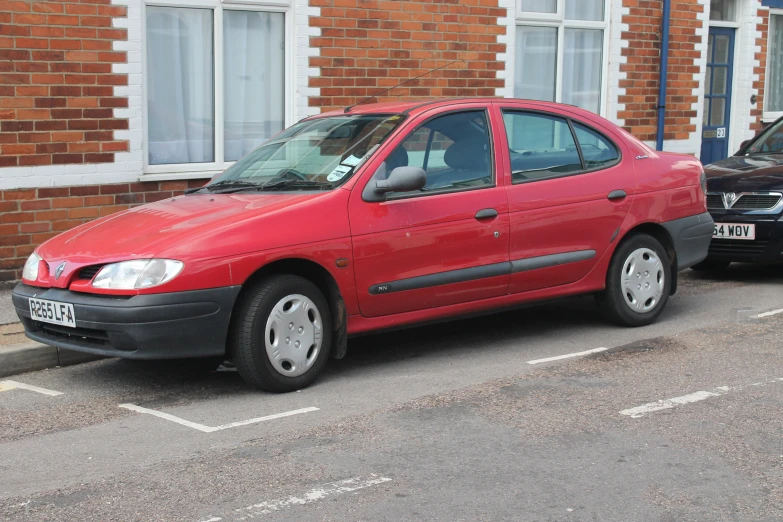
[567,356]
[640,411]
[211,429]
[10,385]
[773,312]
[314,495]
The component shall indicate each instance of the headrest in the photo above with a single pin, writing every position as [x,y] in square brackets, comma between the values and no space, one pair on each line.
[467,155]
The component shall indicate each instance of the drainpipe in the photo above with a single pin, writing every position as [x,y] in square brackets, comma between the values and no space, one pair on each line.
[667,7]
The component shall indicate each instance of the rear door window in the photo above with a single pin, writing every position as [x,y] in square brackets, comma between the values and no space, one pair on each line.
[597,151]
[541,146]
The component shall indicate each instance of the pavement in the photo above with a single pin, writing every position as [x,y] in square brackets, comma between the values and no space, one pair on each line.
[545,413]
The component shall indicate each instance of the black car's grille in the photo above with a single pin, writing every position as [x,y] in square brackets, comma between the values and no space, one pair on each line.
[714,201]
[88,272]
[745,201]
[737,247]
[756,202]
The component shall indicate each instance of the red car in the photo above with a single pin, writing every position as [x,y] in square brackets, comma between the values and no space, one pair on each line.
[371,218]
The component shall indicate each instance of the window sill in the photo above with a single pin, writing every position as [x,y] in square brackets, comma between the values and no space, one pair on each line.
[770,117]
[174,176]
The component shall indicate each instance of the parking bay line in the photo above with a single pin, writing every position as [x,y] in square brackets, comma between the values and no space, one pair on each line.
[12,385]
[211,429]
[314,495]
[772,312]
[666,404]
[567,356]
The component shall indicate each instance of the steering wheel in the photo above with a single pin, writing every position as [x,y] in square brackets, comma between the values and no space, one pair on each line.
[291,173]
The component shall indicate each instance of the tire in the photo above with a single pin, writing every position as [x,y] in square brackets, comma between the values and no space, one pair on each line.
[270,354]
[710,265]
[638,301]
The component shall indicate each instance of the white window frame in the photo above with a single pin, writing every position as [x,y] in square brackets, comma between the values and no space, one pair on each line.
[558,20]
[207,170]
[768,116]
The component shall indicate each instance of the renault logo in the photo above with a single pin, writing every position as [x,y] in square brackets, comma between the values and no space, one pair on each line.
[729,198]
[59,270]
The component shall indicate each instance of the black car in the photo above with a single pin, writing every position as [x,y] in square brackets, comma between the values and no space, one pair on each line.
[745,198]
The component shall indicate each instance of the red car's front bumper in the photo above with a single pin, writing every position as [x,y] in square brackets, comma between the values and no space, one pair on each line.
[155,326]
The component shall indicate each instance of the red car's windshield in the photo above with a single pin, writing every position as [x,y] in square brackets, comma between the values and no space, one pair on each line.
[321,152]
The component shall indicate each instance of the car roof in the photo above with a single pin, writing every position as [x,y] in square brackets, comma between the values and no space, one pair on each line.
[416,106]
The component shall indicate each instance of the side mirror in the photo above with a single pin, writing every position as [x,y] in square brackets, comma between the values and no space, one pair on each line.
[401,179]
[743,148]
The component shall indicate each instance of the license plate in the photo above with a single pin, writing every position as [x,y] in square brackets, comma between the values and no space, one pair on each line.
[734,231]
[52,312]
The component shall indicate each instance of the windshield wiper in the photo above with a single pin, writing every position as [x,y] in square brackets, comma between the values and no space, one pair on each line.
[227,184]
[283,184]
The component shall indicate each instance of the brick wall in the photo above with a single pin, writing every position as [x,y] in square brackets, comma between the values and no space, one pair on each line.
[761,56]
[369,45]
[28,217]
[642,69]
[56,82]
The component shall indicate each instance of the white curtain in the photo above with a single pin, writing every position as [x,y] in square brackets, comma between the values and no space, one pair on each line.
[775,80]
[536,63]
[582,64]
[180,81]
[592,10]
[253,62]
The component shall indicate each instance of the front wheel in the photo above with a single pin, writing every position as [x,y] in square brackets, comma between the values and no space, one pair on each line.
[638,282]
[282,334]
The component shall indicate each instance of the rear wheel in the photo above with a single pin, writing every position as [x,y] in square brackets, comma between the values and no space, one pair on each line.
[638,282]
[282,334]
[710,265]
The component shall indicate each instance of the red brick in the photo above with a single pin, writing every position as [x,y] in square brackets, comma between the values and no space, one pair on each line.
[10,195]
[53,192]
[37,204]
[69,202]
[27,228]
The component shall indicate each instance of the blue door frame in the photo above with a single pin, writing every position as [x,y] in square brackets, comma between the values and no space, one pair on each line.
[717,95]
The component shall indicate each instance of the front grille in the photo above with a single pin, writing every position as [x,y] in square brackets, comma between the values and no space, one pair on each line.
[737,248]
[88,272]
[747,201]
[714,201]
[84,336]
[756,202]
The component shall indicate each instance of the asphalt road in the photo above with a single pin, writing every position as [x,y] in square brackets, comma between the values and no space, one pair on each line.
[681,420]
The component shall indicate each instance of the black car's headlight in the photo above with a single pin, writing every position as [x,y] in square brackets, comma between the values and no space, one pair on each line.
[703,181]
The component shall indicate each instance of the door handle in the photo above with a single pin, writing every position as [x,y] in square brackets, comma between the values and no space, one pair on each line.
[616,194]
[487,213]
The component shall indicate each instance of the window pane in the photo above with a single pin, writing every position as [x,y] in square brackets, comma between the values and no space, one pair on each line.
[253,61]
[722,10]
[584,10]
[774,82]
[582,67]
[453,150]
[536,62]
[721,49]
[180,95]
[596,150]
[538,6]
[718,111]
[541,147]
[706,115]
[719,80]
